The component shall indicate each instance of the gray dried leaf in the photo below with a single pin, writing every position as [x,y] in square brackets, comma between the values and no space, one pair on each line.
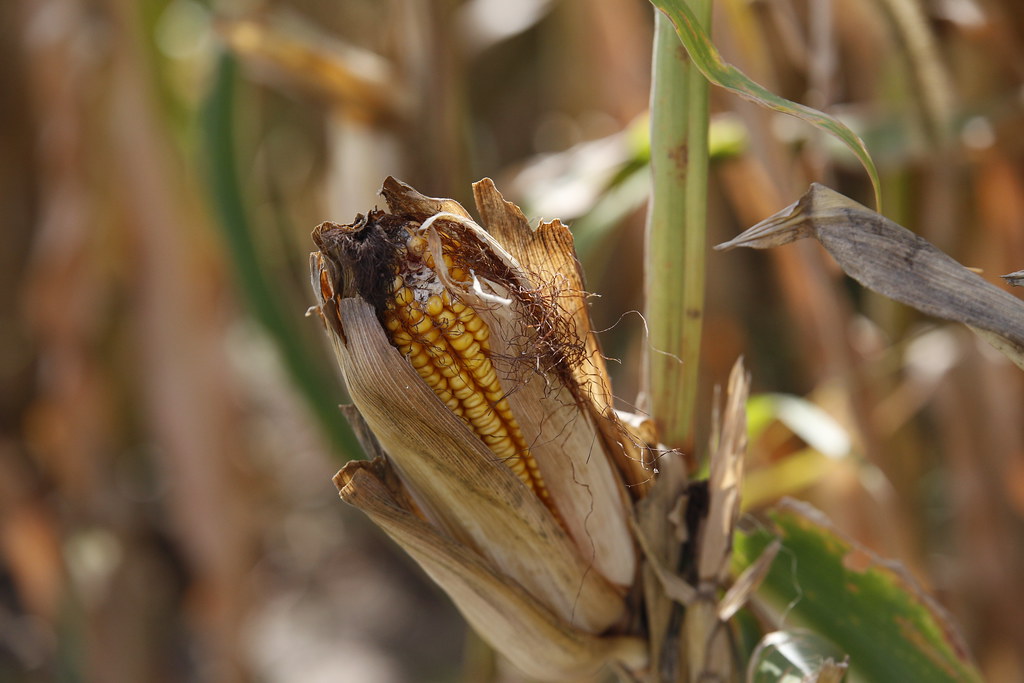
[889,259]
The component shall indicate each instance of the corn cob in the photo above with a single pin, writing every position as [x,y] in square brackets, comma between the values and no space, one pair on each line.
[447,342]
[479,339]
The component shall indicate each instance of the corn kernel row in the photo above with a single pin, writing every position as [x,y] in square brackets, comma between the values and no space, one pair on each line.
[448,344]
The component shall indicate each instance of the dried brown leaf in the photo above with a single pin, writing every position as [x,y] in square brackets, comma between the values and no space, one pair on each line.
[889,259]
[725,478]
[1015,278]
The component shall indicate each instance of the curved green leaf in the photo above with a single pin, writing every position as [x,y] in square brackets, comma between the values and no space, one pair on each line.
[871,609]
[706,58]
[260,292]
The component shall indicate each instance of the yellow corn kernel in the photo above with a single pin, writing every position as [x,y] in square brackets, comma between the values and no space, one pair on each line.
[431,335]
[422,326]
[401,338]
[482,335]
[436,382]
[403,297]
[463,342]
[445,319]
[434,306]
[475,412]
[477,399]
[485,375]
[474,324]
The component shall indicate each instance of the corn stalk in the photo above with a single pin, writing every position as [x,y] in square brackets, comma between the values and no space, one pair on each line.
[676,232]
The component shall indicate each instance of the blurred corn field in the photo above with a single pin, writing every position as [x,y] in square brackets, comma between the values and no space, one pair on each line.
[169,420]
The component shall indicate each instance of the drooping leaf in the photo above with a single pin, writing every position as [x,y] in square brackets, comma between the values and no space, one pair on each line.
[872,609]
[891,260]
[706,58]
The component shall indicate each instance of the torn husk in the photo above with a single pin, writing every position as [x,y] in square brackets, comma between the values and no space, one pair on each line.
[486,391]
[891,260]
[706,639]
[689,601]
[536,640]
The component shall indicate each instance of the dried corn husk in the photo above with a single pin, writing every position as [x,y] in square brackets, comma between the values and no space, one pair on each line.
[689,600]
[546,585]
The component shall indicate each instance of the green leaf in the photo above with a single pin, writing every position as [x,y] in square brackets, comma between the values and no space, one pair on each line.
[706,58]
[873,610]
[260,291]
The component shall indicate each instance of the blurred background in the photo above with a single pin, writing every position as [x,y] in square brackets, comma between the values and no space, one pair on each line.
[168,428]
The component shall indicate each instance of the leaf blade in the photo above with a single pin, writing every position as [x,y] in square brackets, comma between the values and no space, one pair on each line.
[889,259]
[706,58]
[871,608]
